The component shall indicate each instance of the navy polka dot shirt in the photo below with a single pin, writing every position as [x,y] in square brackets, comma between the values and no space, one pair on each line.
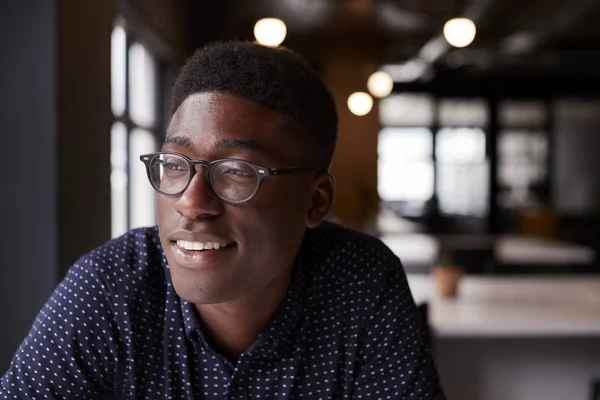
[115,328]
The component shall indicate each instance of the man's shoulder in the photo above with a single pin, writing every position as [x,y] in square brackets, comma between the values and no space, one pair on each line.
[344,252]
[135,253]
[331,238]
[352,277]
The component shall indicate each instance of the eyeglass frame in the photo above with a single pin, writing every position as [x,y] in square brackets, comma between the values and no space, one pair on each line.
[261,172]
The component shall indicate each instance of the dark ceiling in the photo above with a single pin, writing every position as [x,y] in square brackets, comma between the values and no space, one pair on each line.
[521,36]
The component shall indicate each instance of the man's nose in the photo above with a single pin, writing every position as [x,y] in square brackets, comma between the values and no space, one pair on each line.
[198,199]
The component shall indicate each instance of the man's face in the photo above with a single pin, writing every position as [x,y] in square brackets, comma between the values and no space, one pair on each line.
[263,235]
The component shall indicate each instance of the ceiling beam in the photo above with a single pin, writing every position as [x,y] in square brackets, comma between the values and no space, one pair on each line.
[563,19]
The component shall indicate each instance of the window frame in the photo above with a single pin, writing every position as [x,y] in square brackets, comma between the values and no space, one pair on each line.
[162,79]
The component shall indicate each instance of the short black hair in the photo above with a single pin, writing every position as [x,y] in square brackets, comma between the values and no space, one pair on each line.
[274,77]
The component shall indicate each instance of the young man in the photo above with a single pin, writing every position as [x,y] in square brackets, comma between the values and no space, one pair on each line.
[242,291]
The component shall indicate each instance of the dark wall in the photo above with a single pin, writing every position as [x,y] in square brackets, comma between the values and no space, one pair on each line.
[209,21]
[55,121]
[85,120]
[55,124]
[576,165]
[28,131]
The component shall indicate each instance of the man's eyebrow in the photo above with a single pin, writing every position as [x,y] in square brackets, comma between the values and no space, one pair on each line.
[177,141]
[223,144]
[240,144]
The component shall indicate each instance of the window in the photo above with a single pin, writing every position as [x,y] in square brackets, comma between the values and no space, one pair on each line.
[462,166]
[522,154]
[134,104]
[463,172]
[522,166]
[407,109]
[118,178]
[405,166]
[463,112]
[405,171]
[408,176]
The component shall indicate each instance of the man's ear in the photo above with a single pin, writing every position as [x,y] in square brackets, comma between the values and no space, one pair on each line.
[323,193]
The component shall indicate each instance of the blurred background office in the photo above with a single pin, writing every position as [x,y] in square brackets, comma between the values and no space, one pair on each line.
[469,138]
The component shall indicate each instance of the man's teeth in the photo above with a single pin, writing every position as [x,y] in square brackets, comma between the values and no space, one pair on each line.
[200,245]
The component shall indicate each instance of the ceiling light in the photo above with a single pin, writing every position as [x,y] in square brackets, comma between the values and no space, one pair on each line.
[460,32]
[360,103]
[380,84]
[270,31]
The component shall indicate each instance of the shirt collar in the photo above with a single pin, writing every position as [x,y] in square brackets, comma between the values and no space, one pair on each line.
[191,322]
[288,317]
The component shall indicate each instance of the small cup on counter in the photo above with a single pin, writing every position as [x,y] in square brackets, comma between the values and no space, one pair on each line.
[446,278]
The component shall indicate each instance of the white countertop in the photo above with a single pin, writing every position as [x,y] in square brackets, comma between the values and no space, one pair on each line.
[531,250]
[557,306]
[423,249]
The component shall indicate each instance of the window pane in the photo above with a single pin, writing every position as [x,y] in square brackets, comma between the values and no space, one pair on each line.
[141,195]
[463,180]
[142,86]
[406,110]
[117,70]
[462,112]
[460,145]
[522,114]
[118,179]
[405,167]
[522,166]
[463,189]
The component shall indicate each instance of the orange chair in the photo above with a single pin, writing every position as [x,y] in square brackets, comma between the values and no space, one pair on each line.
[537,222]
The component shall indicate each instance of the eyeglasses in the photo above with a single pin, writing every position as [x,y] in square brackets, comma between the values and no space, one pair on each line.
[233,181]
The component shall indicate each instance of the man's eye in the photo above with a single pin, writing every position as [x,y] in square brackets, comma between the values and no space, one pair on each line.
[174,167]
[237,172]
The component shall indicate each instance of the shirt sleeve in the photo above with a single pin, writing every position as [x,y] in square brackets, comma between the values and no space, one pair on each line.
[72,349]
[395,357]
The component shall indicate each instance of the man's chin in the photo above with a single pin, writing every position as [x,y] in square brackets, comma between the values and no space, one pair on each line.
[200,292]
[204,295]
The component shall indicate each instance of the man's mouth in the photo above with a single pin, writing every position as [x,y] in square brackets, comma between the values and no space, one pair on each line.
[201,246]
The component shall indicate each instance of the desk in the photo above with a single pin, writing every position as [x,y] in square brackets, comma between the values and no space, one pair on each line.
[517,338]
[537,250]
[531,306]
[423,249]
